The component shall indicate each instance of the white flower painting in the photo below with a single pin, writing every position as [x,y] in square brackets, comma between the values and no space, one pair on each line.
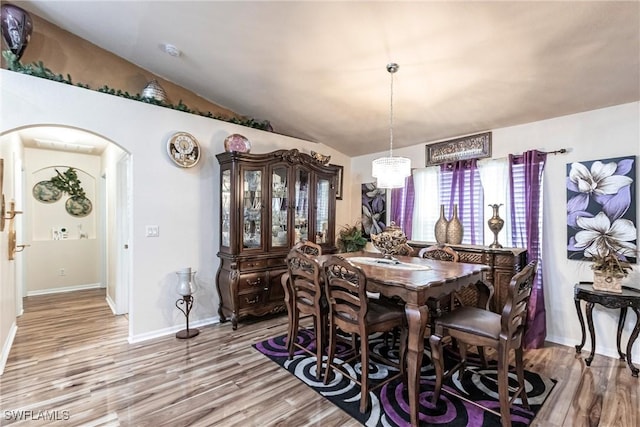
[601,216]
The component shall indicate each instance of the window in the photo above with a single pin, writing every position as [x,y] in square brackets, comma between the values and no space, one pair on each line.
[459,186]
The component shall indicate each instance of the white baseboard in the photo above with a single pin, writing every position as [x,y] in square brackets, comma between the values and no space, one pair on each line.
[112,305]
[600,349]
[64,289]
[6,347]
[172,330]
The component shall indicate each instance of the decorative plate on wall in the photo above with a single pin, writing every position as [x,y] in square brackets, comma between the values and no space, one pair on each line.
[78,206]
[237,142]
[45,192]
[184,150]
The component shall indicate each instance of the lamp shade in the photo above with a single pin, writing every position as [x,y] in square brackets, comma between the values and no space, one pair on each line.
[185,281]
[391,172]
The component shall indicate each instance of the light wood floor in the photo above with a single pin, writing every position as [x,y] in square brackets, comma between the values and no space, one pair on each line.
[71,355]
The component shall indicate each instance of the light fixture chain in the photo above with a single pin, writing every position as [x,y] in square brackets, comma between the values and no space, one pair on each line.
[391,118]
[390,172]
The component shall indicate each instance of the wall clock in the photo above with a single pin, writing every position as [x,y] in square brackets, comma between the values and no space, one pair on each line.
[183,149]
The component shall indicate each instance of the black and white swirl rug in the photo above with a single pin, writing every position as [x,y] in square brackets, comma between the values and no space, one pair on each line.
[389,406]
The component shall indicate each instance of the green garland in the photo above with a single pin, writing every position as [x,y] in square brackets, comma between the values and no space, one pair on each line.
[68,182]
[39,70]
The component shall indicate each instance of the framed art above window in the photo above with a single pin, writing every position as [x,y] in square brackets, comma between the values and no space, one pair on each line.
[476,146]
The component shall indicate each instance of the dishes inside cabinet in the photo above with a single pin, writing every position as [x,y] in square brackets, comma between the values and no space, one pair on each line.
[237,142]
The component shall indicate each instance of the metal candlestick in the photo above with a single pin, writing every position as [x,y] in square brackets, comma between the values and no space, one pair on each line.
[184,304]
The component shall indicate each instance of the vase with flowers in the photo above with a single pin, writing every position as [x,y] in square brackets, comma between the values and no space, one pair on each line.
[608,272]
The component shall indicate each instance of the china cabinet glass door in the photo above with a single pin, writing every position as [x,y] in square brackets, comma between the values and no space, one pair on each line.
[252,208]
[323,189]
[279,206]
[226,207]
[301,195]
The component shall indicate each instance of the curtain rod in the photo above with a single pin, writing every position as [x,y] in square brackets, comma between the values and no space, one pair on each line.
[560,151]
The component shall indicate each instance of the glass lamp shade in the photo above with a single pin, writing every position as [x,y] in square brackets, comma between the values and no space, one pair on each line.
[185,281]
[391,171]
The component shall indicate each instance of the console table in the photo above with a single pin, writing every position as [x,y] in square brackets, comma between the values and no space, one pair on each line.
[629,297]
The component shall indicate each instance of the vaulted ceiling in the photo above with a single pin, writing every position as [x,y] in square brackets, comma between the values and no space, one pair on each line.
[317,70]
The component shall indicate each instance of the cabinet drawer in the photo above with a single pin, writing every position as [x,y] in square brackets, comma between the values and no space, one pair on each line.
[253,282]
[253,264]
[278,262]
[252,299]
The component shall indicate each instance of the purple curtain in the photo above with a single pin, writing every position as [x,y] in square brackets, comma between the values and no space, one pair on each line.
[525,172]
[402,200]
[463,191]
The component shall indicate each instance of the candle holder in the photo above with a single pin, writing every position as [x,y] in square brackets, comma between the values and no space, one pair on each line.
[185,303]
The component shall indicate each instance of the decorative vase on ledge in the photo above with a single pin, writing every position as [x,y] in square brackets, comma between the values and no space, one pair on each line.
[441,227]
[454,228]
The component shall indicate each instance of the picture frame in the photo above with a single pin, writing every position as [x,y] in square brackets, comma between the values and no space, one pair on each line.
[339,180]
[589,212]
[476,146]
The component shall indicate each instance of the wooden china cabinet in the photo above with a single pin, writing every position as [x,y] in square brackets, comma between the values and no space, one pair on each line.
[268,203]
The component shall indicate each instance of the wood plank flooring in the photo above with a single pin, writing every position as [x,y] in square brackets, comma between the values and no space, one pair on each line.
[72,360]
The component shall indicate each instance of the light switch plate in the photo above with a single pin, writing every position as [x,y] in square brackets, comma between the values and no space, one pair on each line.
[152,231]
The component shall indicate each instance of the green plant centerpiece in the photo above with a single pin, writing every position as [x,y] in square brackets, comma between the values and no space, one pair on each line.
[77,204]
[608,271]
[350,238]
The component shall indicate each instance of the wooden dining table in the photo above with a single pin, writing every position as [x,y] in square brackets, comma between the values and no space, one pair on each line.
[420,283]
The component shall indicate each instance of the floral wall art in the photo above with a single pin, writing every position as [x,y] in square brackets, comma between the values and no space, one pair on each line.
[601,214]
[373,209]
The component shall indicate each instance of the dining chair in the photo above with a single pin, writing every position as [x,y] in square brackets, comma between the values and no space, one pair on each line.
[465,296]
[443,252]
[309,248]
[306,298]
[483,328]
[440,253]
[351,311]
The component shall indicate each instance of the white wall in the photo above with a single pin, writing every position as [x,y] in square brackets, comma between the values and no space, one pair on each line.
[599,134]
[55,265]
[184,203]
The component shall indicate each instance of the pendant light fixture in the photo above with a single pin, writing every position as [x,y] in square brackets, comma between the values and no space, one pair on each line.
[391,171]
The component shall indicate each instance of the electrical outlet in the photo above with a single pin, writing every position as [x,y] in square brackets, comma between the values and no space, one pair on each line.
[63,272]
[152,231]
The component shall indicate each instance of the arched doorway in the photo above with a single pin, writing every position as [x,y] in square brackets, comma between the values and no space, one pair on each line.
[70,247]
